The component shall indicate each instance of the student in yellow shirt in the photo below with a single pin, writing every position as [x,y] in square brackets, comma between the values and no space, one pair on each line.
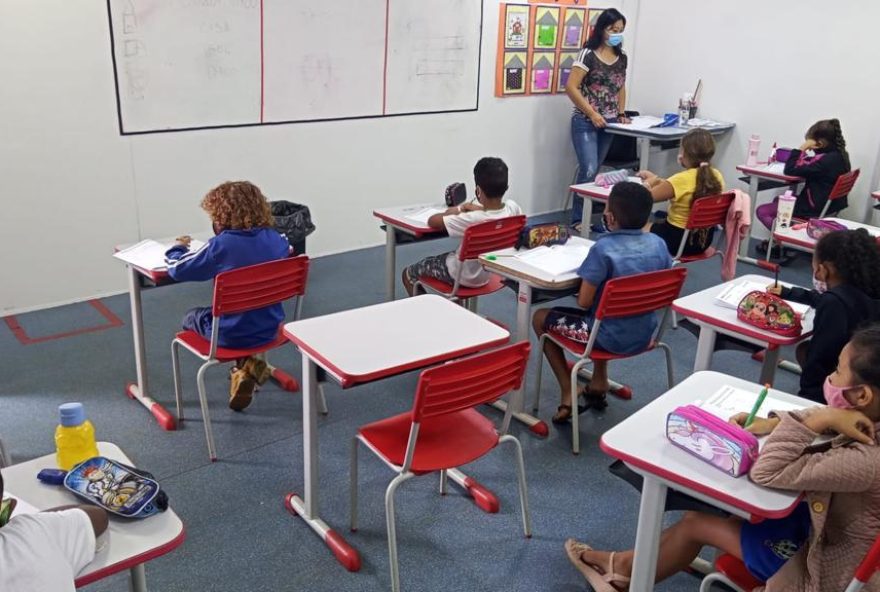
[698,179]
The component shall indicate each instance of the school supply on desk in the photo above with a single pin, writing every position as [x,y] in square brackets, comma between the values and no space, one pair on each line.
[455,194]
[817,227]
[757,406]
[538,235]
[754,146]
[421,216]
[150,254]
[733,295]
[785,209]
[612,178]
[728,401]
[769,312]
[556,259]
[727,447]
[645,122]
[118,488]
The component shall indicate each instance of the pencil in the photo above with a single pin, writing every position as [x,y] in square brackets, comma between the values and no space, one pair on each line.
[776,275]
[758,402]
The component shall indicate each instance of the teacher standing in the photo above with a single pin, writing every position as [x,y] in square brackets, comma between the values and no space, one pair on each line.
[596,86]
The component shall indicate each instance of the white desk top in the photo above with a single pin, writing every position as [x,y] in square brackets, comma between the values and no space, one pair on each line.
[701,307]
[376,341]
[640,441]
[796,234]
[128,542]
[771,171]
[510,266]
[397,216]
[664,133]
[597,192]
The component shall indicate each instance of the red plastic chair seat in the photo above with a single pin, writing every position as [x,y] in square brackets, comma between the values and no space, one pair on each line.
[444,442]
[707,254]
[496,282]
[577,348]
[201,346]
[736,570]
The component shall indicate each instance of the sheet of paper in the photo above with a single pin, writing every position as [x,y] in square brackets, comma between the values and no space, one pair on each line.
[696,122]
[421,216]
[775,167]
[731,296]
[21,506]
[729,401]
[150,254]
[558,259]
[644,121]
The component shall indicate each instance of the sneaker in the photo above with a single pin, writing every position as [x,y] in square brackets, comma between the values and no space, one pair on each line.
[241,389]
[258,369]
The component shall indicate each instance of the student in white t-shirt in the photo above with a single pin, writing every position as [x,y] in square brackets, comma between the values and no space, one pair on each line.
[490,177]
[43,552]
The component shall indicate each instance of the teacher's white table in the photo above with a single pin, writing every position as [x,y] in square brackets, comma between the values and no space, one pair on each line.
[401,219]
[532,272]
[371,343]
[644,136]
[640,441]
[129,543]
[702,309]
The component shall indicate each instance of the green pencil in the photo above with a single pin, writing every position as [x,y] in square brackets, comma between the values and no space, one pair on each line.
[757,406]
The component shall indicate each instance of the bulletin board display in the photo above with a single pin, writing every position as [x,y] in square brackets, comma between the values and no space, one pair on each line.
[538,45]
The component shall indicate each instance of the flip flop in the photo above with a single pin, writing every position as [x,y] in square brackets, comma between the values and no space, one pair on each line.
[599,582]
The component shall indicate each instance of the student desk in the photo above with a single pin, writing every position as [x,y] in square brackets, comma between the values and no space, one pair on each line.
[594,193]
[129,544]
[713,319]
[368,344]
[529,276]
[761,177]
[796,234]
[644,136]
[640,441]
[396,219]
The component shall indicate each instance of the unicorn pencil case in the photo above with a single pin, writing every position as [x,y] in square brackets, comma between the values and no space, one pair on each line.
[726,447]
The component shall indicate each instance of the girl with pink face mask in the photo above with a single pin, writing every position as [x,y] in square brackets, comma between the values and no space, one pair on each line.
[818,546]
[846,289]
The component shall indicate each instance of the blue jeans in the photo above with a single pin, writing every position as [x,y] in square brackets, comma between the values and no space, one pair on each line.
[591,145]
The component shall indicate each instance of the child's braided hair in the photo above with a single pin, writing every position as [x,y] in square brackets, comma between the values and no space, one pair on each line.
[829,131]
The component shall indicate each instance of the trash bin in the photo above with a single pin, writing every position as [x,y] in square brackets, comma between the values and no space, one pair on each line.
[294,222]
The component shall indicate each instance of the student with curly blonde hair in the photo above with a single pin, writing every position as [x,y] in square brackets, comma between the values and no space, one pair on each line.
[242,222]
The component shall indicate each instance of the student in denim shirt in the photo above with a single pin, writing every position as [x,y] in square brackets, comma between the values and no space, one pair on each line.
[626,250]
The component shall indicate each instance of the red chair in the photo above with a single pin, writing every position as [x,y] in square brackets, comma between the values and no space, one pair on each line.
[706,212]
[621,297]
[841,188]
[485,237]
[734,574]
[444,430]
[238,291]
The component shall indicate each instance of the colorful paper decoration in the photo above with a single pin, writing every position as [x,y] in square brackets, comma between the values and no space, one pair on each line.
[560,2]
[542,72]
[573,28]
[516,26]
[566,63]
[592,15]
[546,27]
[514,74]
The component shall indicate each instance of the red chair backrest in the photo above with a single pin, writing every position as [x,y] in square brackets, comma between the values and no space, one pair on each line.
[870,564]
[844,184]
[469,382]
[491,235]
[257,286]
[709,211]
[641,293]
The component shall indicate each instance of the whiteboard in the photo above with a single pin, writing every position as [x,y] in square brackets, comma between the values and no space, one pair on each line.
[195,64]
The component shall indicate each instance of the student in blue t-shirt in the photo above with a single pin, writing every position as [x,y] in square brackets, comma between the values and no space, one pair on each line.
[242,222]
[626,250]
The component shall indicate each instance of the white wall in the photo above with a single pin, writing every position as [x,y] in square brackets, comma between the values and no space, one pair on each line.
[72,188]
[772,67]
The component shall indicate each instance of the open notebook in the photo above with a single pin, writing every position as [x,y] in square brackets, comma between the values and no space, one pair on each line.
[557,259]
[733,294]
[150,254]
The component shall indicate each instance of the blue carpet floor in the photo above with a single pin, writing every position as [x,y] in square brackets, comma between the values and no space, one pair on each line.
[239,537]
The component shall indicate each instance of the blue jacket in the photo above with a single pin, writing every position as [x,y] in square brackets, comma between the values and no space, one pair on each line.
[232,249]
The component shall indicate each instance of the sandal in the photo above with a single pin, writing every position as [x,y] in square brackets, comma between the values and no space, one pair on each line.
[563,414]
[609,581]
[597,400]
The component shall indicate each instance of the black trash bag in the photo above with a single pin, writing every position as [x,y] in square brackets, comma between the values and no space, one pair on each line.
[293,221]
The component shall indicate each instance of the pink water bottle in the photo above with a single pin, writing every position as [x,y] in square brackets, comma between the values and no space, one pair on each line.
[754,146]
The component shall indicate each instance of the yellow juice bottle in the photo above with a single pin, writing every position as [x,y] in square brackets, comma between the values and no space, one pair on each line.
[74,436]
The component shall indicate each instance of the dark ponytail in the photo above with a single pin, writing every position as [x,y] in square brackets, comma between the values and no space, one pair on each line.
[855,256]
[828,130]
[865,362]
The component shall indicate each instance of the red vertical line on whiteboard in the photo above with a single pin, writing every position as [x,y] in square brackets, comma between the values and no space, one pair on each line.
[262,68]
[385,68]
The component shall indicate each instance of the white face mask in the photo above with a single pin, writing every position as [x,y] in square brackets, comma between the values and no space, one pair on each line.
[819,285]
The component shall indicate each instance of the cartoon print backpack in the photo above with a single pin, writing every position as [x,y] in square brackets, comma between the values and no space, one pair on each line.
[118,488]
[542,235]
[455,195]
[769,312]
